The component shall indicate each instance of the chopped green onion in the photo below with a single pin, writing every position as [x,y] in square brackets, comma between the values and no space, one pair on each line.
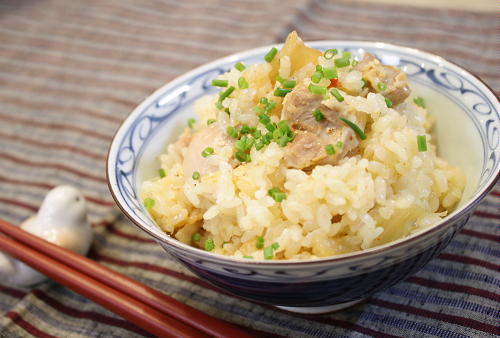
[191,123]
[209,245]
[337,94]
[248,257]
[270,126]
[260,243]
[339,144]
[258,109]
[207,151]
[220,83]
[269,252]
[242,83]
[275,245]
[346,54]
[319,68]
[196,175]
[280,79]
[316,77]
[256,134]
[354,63]
[355,127]
[342,62]
[330,73]
[149,202]
[318,90]
[245,129]
[196,237]
[271,105]
[365,83]
[419,101]
[259,144]
[281,92]
[264,100]
[264,118]
[388,102]
[422,143]
[242,156]
[283,141]
[162,172]
[330,53]
[289,83]
[226,93]
[267,138]
[277,194]
[381,86]
[210,121]
[318,115]
[240,66]
[330,150]
[271,54]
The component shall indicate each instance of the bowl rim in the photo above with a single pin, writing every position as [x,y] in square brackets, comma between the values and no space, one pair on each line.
[352,256]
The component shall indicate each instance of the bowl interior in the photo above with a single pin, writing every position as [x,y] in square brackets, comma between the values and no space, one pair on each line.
[466,114]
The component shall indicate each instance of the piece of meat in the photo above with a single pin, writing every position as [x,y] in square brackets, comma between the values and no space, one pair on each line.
[396,80]
[209,136]
[308,147]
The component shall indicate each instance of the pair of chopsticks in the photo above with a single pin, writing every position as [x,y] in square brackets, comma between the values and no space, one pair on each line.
[148,308]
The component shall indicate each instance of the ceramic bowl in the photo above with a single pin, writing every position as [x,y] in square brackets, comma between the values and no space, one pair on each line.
[468,136]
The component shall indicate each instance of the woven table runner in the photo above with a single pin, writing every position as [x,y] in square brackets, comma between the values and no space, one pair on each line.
[71,71]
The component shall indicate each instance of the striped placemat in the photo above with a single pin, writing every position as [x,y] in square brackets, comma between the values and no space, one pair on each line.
[71,71]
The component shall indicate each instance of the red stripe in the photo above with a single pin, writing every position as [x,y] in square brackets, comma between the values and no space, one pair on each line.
[51,146]
[479,234]
[28,327]
[93,316]
[57,126]
[486,214]
[469,260]
[52,165]
[453,319]
[125,235]
[495,193]
[12,292]
[19,204]
[452,287]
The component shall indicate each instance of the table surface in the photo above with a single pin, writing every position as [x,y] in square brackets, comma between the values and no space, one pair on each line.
[71,71]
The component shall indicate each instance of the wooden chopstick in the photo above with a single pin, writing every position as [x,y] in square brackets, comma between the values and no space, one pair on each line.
[148,308]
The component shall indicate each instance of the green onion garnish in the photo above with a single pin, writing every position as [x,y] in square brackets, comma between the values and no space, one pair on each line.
[259,144]
[339,144]
[220,83]
[270,106]
[149,203]
[337,94]
[346,54]
[196,175]
[275,245]
[330,53]
[342,62]
[269,252]
[354,63]
[245,129]
[242,83]
[210,121]
[318,90]
[289,83]
[318,115]
[264,118]
[196,237]
[260,243]
[242,156]
[316,77]
[264,100]
[207,151]
[248,257]
[388,102]
[277,194]
[330,150]
[330,73]
[256,134]
[240,66]
[319,68]
[422,143]
[271,54]
[281,92]
[209,245]
[191,123]
[226,93]
[419,101]
[355,127]
[381,86]
[365,83]
[162,172]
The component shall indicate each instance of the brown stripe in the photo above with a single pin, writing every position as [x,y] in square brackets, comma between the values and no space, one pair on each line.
[479,234]
[53,146]
[55,126]
[469,260]
[485,214]
[17,203]
[28,327]
[51,165]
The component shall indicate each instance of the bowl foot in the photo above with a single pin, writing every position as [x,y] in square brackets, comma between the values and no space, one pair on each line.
[316,310]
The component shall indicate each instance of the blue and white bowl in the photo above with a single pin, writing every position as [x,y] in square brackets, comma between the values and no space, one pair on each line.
[468,136]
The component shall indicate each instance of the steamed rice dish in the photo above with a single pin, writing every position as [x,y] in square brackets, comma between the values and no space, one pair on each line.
[309,154]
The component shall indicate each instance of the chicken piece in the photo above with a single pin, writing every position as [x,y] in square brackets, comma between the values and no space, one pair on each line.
[308,147]
[209,136]
[375,72]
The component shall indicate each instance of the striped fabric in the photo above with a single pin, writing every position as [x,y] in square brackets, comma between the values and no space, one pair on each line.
[70,71]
